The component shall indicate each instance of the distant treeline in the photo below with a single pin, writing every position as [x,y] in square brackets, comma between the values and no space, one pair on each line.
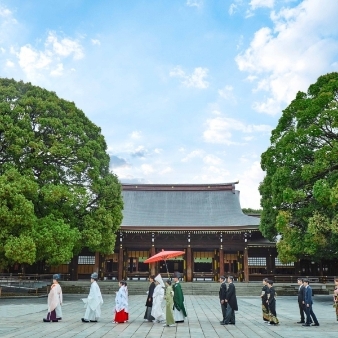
[252,211]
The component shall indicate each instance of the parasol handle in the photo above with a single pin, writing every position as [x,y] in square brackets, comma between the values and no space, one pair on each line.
[167,268]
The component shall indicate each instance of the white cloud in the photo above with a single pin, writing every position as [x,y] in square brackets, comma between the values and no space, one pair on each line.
[301,46]
[219,129]
[194,3]
[213,174]
[158,151]
[227,93]
[95,42]
[166,170]
[249,181]
[58,71]
[196,79]
[31,60]
[193,154]
[234,6]
[135,135]
[64,46]
[254,4]
[10,64]
[212,160]
[6,16]
[37,63]
[147,169]
[139,151]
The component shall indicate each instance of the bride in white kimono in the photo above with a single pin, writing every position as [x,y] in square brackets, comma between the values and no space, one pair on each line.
[158,295]
[93,302]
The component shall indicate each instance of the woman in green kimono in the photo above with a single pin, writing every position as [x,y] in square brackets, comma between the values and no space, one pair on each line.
[179,309]
[169,294]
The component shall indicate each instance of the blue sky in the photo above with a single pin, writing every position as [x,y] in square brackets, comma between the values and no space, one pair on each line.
[185,91]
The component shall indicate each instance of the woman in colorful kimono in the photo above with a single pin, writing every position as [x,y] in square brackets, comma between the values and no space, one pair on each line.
[156,310]
[121,303]
[54,301]
[169,294]
[335,296]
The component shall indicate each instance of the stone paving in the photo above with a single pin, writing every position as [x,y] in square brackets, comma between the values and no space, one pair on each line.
[23,318]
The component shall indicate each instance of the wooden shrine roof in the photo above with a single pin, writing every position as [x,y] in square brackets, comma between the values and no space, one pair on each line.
[184,206]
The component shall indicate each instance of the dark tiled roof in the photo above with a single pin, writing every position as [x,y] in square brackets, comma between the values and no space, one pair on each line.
[158,208]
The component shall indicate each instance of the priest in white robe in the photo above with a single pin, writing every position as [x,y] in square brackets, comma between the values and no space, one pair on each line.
[54,301]
[93,302]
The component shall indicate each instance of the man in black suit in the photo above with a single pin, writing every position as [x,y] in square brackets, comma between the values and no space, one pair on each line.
[222,297]
[301,302]
[308,305]
[231,301]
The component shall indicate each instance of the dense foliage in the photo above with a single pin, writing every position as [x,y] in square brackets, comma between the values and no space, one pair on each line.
[250,211]
[300,189]
[57,194]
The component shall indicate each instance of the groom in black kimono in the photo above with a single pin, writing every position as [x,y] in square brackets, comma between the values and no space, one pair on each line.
[222,297]
[231,301]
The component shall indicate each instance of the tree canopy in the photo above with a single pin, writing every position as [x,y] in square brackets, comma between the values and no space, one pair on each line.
[299,193]
[57,194]
[249,211]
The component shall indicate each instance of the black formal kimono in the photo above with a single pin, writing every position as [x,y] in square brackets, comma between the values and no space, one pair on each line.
[272,306]
[265,306]
[222,297]
[231,305]
[149,303]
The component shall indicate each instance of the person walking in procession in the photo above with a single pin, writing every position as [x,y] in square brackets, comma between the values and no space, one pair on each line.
[272,304]
[301,301]
[231,301]
[264,297]
[308,305]
[335,296]
[149,303]
[54,301]
[222,297]
[179,309]
[169,293]
[93,302]
[158,295]
[121,304]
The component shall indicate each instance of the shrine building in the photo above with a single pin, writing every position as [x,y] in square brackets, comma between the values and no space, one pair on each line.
[203,220]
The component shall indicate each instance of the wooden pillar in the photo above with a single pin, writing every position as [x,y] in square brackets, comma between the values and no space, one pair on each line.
[273,262]
[189,258]
[120,260]
[221,261]
[102,268]
[152,265]
[73,268]
[152,253]
[246,265]
[120,265]
[126,263]
[97,263]
[189,268]
[221,256]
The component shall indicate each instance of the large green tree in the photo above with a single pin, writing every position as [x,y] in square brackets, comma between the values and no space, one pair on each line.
[57,194]
[299,193]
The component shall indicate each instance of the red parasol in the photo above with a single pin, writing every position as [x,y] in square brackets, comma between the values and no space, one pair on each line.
[164,256]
